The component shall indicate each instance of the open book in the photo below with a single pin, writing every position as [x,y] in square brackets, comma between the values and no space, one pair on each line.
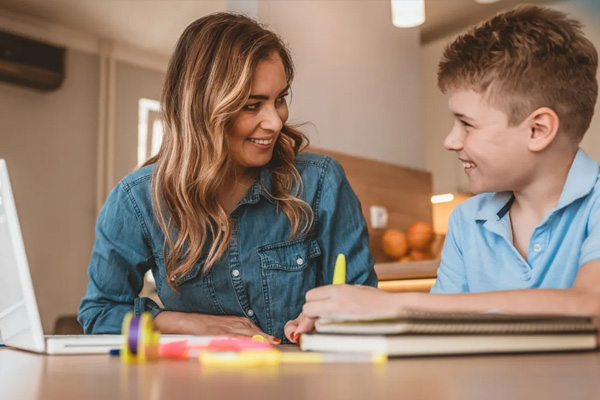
[416,333]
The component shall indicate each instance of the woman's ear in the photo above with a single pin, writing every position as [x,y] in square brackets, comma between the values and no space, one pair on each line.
[543,127]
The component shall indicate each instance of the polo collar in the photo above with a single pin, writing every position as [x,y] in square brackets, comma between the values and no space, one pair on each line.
[581,179]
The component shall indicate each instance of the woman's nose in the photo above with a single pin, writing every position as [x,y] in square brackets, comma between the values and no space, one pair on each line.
[271,120]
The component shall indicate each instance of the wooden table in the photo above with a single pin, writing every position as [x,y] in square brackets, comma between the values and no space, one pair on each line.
[542,376]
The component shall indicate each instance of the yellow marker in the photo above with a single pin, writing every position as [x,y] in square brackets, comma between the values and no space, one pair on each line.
[339,273]
[265,358]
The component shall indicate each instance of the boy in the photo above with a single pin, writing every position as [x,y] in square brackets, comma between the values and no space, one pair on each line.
[522,87]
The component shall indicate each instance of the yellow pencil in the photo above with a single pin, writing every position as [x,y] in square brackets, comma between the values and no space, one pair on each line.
[339,273]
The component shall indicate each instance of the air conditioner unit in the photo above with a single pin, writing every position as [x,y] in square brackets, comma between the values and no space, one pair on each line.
[31,63]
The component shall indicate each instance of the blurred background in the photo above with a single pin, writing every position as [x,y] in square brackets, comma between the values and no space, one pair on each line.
[367,88]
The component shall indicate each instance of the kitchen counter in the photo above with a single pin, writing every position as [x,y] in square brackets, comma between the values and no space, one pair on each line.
[413,276]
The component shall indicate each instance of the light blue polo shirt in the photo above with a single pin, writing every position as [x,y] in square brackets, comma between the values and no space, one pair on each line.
[479,254]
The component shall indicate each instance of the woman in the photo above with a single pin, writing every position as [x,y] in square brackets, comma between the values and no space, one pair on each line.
[235,224]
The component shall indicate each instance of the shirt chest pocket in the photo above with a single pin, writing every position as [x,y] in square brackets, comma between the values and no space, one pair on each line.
[294,256]
[288,271]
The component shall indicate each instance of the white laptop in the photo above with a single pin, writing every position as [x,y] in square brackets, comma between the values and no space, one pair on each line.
[20,325]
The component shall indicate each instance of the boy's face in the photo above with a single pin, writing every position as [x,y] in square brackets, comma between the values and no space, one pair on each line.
[494,156]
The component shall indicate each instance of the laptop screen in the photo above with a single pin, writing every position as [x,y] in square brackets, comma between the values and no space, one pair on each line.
[20,324]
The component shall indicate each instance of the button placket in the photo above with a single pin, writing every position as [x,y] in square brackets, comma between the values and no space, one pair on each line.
[235,272]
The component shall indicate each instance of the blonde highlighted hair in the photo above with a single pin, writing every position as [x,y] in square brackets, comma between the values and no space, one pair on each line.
[208,82]
[526,58]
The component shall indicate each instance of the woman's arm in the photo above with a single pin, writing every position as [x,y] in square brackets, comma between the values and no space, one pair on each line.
[172,322]
[120,257]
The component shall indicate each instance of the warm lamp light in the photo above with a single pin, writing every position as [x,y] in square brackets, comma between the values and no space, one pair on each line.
[408,13]
[442,206]
[442,198]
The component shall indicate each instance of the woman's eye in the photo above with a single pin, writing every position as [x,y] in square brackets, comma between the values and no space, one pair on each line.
[252,107]
[465,124]
[281,99]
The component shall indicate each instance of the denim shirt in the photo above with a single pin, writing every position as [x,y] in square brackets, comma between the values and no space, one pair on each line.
[262,275]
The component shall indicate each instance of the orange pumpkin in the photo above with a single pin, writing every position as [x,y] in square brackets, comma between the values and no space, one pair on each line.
[419,255]
[394,243]
[420,235]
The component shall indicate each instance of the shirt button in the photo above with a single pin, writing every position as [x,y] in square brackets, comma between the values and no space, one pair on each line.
[235,273]
[250,312]
[300,261]
[537,247]
[526,276]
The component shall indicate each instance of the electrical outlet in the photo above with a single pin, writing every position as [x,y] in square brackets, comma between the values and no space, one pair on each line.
[379,217]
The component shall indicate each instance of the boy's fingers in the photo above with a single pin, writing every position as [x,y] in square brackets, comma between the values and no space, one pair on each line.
[306,325]
[290,328]
[320,293]
[316,309]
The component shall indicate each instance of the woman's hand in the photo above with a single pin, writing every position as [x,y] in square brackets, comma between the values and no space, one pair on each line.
[171,322]
[295,327]
[348,299]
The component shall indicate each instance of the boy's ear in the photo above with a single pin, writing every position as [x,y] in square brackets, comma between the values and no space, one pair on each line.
[543,127]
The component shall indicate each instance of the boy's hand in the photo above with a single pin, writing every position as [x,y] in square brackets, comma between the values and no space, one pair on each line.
[295,327]
[347,299]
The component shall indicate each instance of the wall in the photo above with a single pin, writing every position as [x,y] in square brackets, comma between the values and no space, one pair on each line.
[358,77]
[357,82]
[447,171]
[132,83]
[48,140]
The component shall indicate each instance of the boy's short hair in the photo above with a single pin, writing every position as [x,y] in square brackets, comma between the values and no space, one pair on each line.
[526,58]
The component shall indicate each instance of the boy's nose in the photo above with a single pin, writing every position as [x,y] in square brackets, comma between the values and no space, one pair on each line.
[454,140]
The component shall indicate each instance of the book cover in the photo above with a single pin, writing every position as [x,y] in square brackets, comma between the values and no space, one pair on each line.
[416,333]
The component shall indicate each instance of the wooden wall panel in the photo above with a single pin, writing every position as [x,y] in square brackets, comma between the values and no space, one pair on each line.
[404,192]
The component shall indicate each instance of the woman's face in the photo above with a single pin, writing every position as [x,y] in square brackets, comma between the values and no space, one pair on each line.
[256,127]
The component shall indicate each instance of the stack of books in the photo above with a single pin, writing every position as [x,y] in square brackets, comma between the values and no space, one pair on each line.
[417,333]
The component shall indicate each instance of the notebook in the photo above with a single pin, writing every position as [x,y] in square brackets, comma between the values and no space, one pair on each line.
[415,333]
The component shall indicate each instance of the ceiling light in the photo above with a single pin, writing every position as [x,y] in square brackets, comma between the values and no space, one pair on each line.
[408,13]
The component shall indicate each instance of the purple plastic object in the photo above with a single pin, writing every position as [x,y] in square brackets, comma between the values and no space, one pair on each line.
[132,340]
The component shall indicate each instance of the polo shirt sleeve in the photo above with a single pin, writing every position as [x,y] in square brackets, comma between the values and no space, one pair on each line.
[451,277]
[590,250]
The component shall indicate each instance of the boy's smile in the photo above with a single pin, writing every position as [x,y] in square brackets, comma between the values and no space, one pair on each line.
[494,155]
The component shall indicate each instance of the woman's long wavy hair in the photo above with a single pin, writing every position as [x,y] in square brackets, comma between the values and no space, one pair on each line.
[208,81]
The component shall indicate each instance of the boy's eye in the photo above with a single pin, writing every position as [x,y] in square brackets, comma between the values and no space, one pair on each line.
[252,107]
[466,124]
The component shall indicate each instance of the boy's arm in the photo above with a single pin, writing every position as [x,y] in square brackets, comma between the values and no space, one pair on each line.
[583,298]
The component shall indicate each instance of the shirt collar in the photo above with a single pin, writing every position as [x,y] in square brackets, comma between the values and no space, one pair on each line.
[581,179]
[260,187]
[496,207]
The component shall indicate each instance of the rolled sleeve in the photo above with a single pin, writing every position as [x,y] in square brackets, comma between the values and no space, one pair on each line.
[590,249]
[120,257]
[451,276]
